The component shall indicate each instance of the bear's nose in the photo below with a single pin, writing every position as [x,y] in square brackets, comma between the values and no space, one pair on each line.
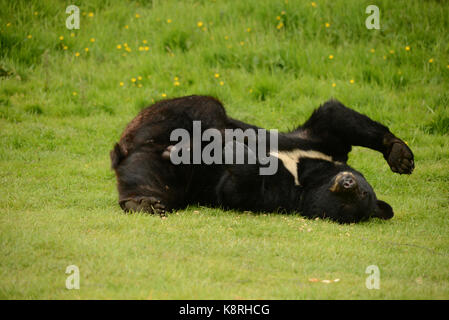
[344,181]
[348,182]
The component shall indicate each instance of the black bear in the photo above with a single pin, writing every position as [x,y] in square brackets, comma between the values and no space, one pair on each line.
[312,176]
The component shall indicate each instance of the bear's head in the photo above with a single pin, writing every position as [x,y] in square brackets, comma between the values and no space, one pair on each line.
[340,193]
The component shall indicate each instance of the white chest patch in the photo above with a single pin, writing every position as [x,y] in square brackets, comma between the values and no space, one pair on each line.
[290,159]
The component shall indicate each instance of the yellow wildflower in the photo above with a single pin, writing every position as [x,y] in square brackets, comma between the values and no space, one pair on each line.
[199,24]
[61,38]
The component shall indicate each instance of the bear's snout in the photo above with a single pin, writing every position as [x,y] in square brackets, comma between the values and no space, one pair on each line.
[344,181]
[348,182]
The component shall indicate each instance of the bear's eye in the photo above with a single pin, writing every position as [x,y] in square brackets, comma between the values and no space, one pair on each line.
[364,194]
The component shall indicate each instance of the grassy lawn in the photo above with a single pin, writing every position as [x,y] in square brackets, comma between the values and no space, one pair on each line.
[66,95]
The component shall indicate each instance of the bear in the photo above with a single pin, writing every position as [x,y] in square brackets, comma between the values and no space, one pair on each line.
[312,177]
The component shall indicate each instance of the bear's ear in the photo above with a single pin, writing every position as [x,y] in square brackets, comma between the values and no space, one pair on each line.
[116,155]
[383,210]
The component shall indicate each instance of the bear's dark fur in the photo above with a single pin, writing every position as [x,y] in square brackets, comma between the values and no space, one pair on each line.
[320,184]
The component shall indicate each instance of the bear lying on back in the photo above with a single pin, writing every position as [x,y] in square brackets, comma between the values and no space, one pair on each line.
[311,176]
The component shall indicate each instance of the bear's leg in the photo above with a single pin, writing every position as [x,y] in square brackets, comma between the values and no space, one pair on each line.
[148,183]
[145,204]
[335,124]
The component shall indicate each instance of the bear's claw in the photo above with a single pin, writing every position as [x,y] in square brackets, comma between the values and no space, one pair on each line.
[400,158]
[144,204]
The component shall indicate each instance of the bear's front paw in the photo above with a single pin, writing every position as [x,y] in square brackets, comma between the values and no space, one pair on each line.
[144,204]
[400,158]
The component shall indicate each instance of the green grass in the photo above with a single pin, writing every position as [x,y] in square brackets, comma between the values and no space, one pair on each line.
[60,115]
